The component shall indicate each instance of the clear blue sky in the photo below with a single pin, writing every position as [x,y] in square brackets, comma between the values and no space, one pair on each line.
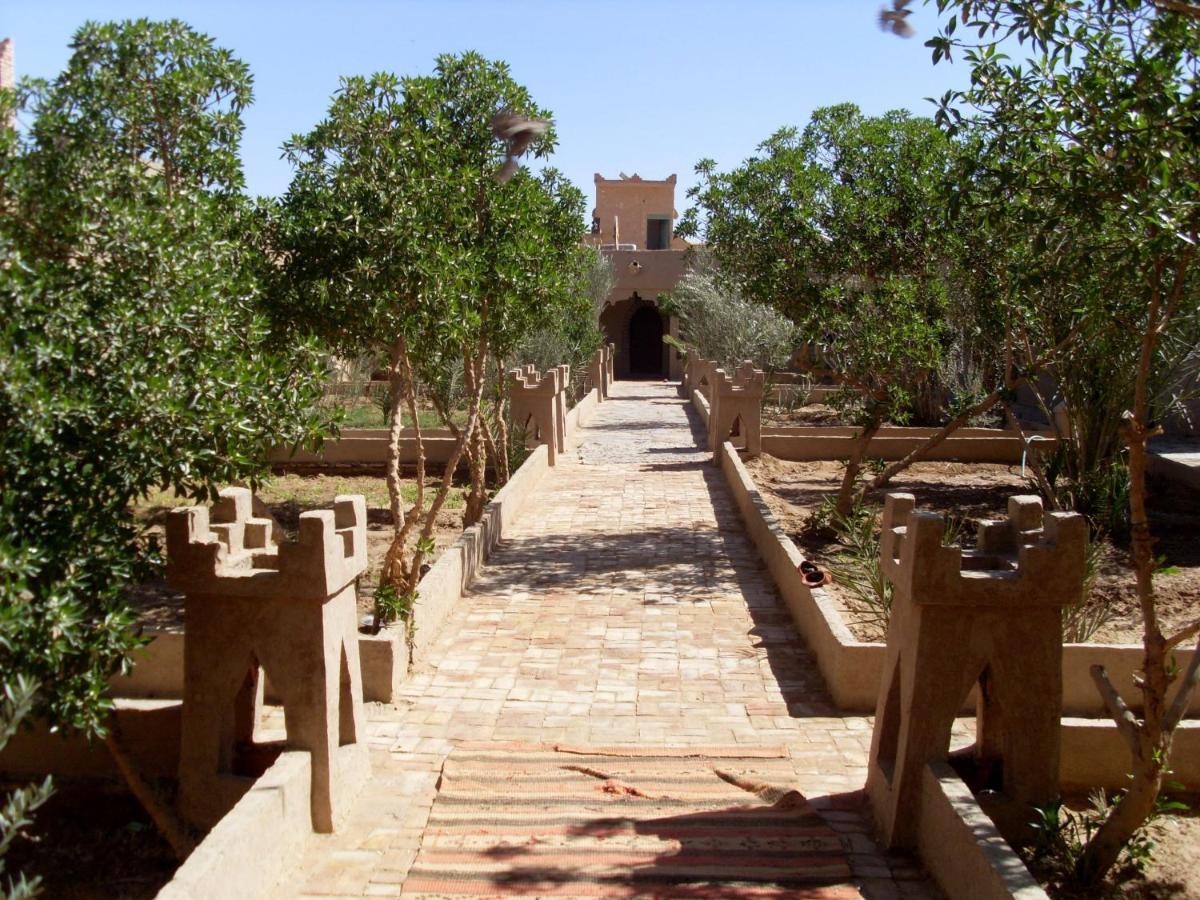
[635,87]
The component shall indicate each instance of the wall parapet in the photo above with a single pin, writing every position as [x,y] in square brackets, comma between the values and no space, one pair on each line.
[851,668]
[961,846]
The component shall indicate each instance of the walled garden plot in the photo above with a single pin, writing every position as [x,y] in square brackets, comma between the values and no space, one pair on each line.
[789,523]
[260,824]
[969,492]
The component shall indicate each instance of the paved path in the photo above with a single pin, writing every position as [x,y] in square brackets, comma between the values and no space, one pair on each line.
[627,607]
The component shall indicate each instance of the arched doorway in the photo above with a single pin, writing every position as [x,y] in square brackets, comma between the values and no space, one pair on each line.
[645,343]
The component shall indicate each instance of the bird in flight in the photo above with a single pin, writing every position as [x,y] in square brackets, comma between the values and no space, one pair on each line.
[895,19]
[517,132]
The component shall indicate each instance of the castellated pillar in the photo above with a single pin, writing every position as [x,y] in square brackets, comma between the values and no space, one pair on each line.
[597,374]
[737,399]
[560,406]
[537,405]
[289,610]
[990,617]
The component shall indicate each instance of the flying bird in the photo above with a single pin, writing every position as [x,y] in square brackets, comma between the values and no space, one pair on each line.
[895,19]
[517,132]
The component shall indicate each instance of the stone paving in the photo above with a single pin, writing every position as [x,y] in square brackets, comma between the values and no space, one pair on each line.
[626,607]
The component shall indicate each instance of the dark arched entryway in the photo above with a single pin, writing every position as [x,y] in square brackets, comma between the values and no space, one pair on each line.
[645,343]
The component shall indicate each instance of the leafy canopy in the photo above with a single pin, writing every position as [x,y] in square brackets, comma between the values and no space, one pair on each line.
[132,353]
[842,227]
[395,225]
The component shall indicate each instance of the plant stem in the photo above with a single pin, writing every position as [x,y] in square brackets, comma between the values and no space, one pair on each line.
[164,818]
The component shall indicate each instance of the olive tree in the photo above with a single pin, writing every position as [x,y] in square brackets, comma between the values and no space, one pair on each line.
[718,323]
[571,332]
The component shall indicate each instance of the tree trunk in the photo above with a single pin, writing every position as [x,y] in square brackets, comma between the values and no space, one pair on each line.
[1034,464]
[501,424]
[410,398]
[476,448]
[895,468]
[395,402]
[392,571]
[477,498]
[489,443]
[845,499]
[464,437]
[1137,804]
[1011,384]
[1156,727]
[1134,808]
[163,817]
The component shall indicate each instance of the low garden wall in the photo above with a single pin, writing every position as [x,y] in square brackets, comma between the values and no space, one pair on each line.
[158,667]
[369,447]
[789,392]
[150,734]
[385,656]
[455,569]
[244,855]
[701,403]
[958,842]
[1094,755]
[853,668]
[815,442]
[257,843]
[1175,460]
[581,412]
[961,847]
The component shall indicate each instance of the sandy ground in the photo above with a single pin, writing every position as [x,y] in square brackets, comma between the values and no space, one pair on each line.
[1173,870]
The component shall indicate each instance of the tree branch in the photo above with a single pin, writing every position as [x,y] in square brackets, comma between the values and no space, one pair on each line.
[1183,697]
[958,421]
[1179,637]
[163,816]
[1127,723]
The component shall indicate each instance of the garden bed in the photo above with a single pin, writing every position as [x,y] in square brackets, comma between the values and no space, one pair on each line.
[92,839]
[974,491]
[287,496]
[818,411]
[808,414]
[1170,870]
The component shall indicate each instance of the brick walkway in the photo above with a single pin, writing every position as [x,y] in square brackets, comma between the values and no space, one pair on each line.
[627,607]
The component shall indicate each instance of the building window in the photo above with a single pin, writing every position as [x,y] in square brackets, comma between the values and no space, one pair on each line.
[658,233]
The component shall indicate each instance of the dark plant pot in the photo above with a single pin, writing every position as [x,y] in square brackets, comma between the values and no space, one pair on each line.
[816,578]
